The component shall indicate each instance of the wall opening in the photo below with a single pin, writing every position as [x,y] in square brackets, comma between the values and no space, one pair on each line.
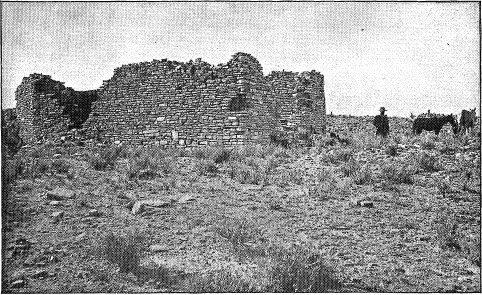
[239,103]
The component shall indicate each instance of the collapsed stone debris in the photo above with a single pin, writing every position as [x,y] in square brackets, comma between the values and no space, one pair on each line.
[175,104]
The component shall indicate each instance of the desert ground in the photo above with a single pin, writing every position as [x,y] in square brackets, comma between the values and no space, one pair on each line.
[365,215]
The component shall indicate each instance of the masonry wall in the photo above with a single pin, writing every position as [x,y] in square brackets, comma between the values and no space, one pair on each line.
[300,101]
[46,109]
[170,103]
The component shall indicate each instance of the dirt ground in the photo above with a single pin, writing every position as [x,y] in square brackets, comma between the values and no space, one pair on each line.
[378,234]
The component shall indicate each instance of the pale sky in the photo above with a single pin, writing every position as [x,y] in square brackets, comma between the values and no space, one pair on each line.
[408,57]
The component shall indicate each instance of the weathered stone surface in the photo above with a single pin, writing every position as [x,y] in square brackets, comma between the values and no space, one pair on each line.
[141,206]
[60,194]
[170,103]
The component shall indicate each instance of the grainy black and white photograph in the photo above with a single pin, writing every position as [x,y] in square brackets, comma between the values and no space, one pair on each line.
[225,147]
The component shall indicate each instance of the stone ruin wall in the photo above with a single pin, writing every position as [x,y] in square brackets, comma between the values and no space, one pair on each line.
[46,109]
[170,103]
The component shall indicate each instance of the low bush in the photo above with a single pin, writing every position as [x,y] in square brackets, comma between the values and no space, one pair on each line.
[300,268]
[350,168]
[392,150]
[206,167]
[398,173]
[338,155]
[471,248]
[245,173]
[363,175]
[61,166]
[445,226]
[427,144]
[105,159]
[428,162]
[123,249]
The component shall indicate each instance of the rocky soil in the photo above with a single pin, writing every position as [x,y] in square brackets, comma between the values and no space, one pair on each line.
[377,234]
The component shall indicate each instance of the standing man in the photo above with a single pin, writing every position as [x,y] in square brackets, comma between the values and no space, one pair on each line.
[381,122]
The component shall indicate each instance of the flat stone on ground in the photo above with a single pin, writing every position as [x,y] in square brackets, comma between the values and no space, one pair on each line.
[60,194]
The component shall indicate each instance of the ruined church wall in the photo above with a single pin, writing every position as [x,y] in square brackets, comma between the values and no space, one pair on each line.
[169,103]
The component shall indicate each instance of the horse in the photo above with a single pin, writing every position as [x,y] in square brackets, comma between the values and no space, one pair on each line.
[434,124]
[467,120]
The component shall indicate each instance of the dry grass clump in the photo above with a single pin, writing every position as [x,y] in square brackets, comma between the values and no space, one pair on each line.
[300,268]
[239,231]
[293,268]
[470,245]
[363,175]
[106,158]
[392,150]
[123,249]
[428,162]
[224,280]
[11,170]
[148,163]
[445,226]
[61,166]
[206,167]
[396,173]
[338,155]
[363,140]
[245,173]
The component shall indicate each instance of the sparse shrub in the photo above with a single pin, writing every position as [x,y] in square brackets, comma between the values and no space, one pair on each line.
[123,249]
[471,248]
[12,169]
[398,173]
[338,155]
[206,167]
[244,173]
[220,155]
[239,231]
[350,167]
[427,145]
[223,280]
[363,175]
[61,166]
[148,163]
[445,225]
[443,187]
[392,150]
[428,162]
[300,268]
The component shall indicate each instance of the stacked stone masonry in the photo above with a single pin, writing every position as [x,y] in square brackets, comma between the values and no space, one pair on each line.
[175,104]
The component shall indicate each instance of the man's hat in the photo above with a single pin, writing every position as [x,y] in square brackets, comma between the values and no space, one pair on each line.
[382,109]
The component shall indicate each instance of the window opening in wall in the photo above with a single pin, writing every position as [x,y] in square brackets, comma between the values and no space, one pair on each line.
[304,100]
[239,103]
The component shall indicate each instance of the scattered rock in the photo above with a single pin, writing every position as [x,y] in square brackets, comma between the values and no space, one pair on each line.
[40,274]
[368,204]
[18,284]
[60,194]
[158,248]
[186,198]
[140,206]
[57,216]
[94,213]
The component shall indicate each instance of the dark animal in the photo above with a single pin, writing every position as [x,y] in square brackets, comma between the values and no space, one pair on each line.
[467,120]
[381,123]
[434,124]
